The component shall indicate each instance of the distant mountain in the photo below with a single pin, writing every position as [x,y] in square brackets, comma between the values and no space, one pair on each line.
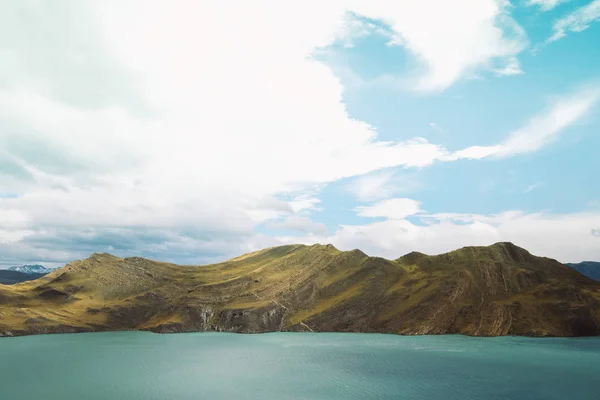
[31,269]
[591,269]
[9,277]
[482,291]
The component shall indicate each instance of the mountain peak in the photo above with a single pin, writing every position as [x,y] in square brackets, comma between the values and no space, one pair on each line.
[500,251]
[30,269]
[101,256]
[411,257]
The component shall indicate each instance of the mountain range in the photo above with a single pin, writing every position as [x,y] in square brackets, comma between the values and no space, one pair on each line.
[591,269]
[31,269]
[495,290]
[10,277]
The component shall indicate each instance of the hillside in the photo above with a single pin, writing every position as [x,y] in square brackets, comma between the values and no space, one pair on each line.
[591,269]
[486,291]
[9,277]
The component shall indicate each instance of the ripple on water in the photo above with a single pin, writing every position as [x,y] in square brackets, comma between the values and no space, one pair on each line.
[141,365]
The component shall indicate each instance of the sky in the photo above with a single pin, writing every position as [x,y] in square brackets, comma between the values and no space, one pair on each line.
[195,131]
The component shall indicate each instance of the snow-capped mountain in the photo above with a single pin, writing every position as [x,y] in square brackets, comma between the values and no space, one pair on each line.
[31,269]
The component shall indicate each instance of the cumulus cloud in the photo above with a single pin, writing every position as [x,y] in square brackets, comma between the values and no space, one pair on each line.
[565,237]
[451,39]
[200,120]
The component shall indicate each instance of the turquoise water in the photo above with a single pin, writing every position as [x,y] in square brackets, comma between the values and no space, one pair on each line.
[146,366]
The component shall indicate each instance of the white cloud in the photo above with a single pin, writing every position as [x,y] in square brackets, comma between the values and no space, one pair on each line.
[540,130]
[382,184]
[565,237]
[533,186]
[546,5]
[436,127]
[373,186]
[220,130]
[196,116]
[451,39]
[304,203]
[399,208]
[513,67]
[300,224]
[576,21]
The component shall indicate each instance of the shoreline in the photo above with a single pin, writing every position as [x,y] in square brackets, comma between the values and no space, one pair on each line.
[74,330]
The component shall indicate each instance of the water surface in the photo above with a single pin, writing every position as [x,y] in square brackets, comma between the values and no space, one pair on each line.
[146,366]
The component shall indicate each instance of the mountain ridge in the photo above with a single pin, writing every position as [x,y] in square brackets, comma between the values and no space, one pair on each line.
[30,269]
[591,269]
[10,277]
[494,290]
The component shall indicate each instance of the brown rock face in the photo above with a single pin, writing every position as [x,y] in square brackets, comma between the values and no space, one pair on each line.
[484,291]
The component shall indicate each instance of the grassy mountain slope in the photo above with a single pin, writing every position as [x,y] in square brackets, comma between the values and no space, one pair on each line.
[591,269]
[487,291]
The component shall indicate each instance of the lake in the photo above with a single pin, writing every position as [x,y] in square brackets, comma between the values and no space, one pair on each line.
[146,366]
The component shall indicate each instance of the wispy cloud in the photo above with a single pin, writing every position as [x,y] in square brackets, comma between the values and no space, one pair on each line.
[540,130]
[577,21]
[436,127]
[546,5]
[533,186]
[399,208]
[299,224]
[381,185]
[513,67]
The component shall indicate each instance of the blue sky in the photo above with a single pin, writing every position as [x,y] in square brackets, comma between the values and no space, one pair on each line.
[424,126]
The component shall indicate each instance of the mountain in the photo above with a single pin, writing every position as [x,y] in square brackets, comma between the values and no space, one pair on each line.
[9,277]
[591,269]
[31,269]
[501,289]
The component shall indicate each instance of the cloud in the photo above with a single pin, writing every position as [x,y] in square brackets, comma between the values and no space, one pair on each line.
[449,39]
[533,186]
[595,232]
[219,133]
[565,237]
[576,21]
[57,246]
[134,126]
[540,130]
[382,184]
[373,186]
[304,202]
[398,208]
[198,121]
[546,5]
[436,127]
[299,224]
[513,67]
